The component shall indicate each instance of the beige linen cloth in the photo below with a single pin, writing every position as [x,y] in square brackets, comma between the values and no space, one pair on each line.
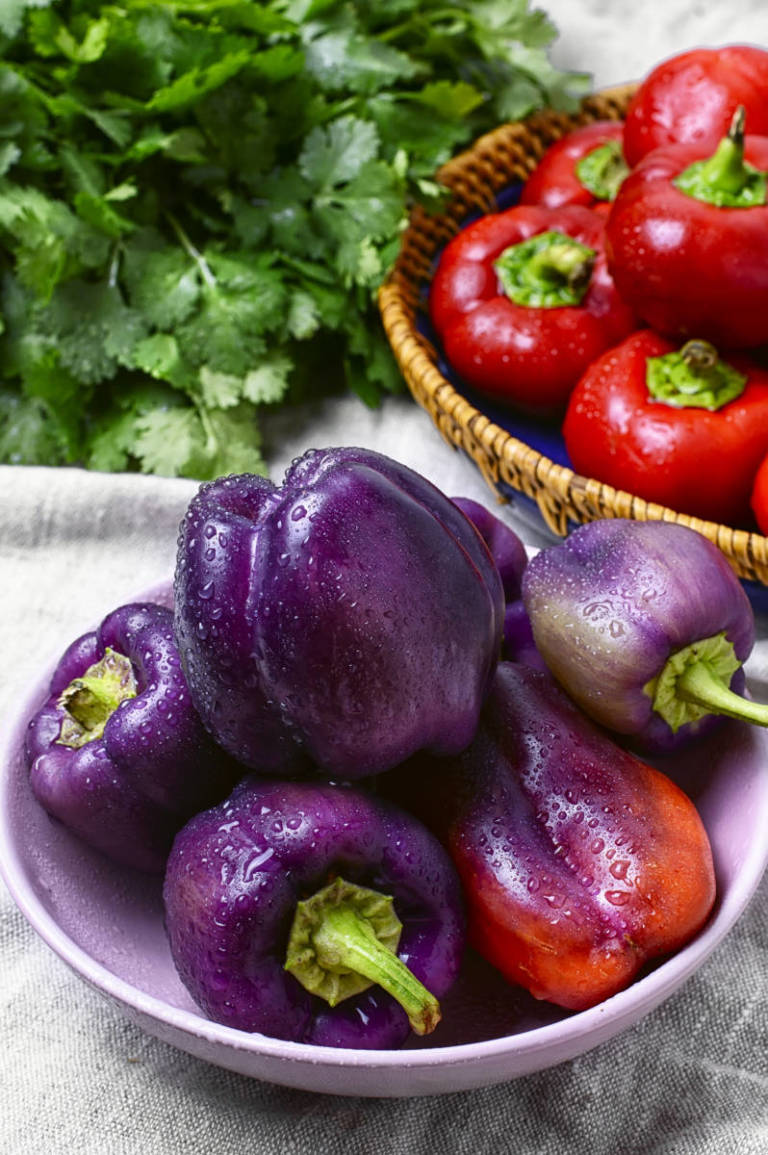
[690,1079]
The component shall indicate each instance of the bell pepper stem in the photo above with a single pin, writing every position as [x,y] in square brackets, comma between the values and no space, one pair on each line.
[701,686]
[548,270]
[90,701]
[725,167]
[693,377]
[725,178]
[344,940]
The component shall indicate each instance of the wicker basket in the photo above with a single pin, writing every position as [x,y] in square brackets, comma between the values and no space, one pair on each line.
[564,498]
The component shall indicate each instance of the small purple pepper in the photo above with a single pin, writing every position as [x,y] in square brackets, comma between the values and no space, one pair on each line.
[345,619]
[117,752]
[646,626]
[293,908]
[511,558]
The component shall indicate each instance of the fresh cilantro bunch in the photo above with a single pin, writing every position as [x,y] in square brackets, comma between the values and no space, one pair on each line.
[199,200]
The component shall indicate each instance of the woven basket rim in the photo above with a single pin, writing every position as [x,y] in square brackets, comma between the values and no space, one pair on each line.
[493,448]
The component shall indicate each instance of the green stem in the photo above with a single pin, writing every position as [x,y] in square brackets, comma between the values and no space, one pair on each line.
[700,686]
[343,940]
[725,179]
[602,170]
[89,702]
[549,270]
[695,681]
[193,252]
[693,377]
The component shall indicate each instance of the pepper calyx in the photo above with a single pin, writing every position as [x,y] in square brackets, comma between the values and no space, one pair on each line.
[695,681]
[550,270]
[89,702]
[602,170]
[343,940]
[725,179]
[693,377]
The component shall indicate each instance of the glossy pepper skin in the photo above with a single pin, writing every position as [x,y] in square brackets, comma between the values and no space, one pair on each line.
[237,873]
[688,267]
[511,558]
[696,453]
[579,862]
[556,182]
[345,619]
[127,789]
[527,356]
[620,602]
[691,98]
[759,496]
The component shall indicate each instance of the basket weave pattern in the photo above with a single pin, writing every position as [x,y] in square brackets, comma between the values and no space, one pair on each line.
[495,161]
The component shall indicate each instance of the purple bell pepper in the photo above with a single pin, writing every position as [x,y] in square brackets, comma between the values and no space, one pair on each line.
[646,626]
[509,554]
[292,909]
[117,752]
[343,620]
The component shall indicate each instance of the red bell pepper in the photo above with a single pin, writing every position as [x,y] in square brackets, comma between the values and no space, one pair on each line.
[523,302]
[677,426]
[759,498]
[687,240]
[585,167]
[692,97]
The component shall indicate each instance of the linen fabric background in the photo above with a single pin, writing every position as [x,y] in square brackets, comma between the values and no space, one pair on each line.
[75,1077]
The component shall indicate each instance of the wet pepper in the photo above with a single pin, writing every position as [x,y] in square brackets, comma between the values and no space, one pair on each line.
[585,167]
[579,862]
[339,622]
[646,626]
[674,424]
[522,301]
[511,558]
[691,99]
[117,752]
[687,240]
[316,913]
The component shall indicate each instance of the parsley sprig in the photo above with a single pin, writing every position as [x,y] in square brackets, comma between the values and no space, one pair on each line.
[198,201]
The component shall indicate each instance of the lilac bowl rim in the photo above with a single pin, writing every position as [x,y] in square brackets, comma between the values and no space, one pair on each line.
[631,1004]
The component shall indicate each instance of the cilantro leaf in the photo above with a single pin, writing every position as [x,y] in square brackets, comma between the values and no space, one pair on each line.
[200,198]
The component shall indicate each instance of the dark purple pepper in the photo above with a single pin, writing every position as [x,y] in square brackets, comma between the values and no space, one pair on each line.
[283,907]
[117,752]
[511,558]
[345,619]
[646,626]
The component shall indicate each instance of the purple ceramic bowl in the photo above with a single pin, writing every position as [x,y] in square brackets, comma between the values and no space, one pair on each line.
[106,924]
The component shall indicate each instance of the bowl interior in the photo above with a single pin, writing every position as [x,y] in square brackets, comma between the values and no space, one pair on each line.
[107,924]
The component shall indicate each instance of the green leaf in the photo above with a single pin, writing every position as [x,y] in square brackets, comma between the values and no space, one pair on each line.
[9,154]
[304,316]
[192,85]
[28,436]
[94,329]
[334,155]
[166,439]
[162,282]
[454,101]
[344,58]
[268,383]
[219,390]
[159,356]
